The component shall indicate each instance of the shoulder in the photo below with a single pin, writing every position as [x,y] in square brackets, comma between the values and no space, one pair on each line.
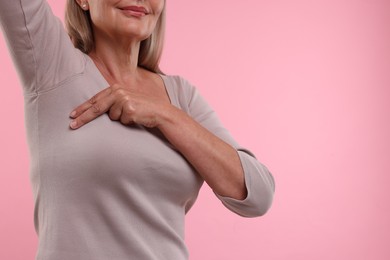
[181,90]
[178,81]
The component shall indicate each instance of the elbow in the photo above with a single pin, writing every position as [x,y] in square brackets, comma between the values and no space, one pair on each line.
[252,206]
[260,186]
[261,206]
[261,198]
[264,206]
[266,199]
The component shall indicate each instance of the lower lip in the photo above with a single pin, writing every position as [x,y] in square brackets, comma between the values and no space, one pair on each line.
[133,13]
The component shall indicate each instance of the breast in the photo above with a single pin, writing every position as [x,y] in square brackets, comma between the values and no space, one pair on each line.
[105,154]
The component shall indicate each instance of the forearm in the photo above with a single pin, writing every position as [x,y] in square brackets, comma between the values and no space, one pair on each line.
[215,160]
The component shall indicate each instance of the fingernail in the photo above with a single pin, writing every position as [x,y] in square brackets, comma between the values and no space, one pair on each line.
[73,114]
[73,124]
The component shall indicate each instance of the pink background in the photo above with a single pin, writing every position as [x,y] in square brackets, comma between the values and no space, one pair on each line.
[305,85]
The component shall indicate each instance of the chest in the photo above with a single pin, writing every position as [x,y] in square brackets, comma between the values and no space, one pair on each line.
[105,154]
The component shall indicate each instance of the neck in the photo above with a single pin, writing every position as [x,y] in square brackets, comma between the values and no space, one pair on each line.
[117,61]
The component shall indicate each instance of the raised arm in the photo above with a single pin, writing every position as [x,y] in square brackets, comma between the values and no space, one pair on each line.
[39,45]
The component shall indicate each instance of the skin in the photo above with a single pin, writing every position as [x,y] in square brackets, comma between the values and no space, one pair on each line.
[137,96]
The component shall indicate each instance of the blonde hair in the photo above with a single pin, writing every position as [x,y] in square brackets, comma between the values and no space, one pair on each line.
[79,25]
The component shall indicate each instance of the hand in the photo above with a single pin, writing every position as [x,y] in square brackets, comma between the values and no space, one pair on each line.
[122,104]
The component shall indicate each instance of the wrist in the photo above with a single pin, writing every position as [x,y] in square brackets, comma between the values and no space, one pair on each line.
[167,116]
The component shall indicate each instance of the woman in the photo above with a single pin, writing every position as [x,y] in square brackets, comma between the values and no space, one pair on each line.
[117,180]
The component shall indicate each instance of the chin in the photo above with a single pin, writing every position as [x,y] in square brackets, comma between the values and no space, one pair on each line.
[136,33]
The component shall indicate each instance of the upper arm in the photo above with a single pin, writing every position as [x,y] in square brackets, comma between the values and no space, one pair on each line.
[199,109]
[39,45]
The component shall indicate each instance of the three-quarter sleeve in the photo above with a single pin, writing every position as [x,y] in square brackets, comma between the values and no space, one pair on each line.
[39,45]
[258,179]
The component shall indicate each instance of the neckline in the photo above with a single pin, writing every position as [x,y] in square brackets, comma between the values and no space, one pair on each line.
[167,87]
[164,79]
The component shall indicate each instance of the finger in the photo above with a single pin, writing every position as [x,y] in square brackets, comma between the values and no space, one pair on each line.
[90,102]
[95,110]
[115,113]
[127,113]
[116,110]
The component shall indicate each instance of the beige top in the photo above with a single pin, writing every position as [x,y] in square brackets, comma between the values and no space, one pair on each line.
[106,191]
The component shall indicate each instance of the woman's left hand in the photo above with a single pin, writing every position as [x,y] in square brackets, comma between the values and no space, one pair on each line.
[122,104]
